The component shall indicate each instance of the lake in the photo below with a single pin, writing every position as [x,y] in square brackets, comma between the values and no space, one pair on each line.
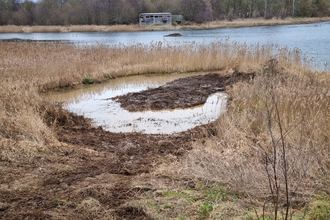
[312,39]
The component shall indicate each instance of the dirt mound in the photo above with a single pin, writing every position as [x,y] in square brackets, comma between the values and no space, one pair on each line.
[173,35]
[180,93]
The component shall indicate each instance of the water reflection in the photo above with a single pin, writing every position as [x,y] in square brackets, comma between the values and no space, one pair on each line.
[95,102]
[115,119]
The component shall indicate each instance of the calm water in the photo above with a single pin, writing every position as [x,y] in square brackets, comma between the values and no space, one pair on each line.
[312,39]
[95,102]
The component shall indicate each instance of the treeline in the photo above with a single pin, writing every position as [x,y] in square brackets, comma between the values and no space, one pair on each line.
[109,12]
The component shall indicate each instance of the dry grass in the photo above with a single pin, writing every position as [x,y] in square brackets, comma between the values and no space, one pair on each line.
[258,22]
[18,118]
[233,156]
[28,68]
[135,27]
[52,65]
[236,155]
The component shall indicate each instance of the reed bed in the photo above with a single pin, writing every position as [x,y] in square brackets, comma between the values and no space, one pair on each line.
[261,22]
[286,103]
[42,66]
[38,67]
[135,27]
[52,65]
[280,116]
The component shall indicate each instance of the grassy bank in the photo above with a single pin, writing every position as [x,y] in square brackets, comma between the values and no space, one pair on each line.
[117,28]
[279,119]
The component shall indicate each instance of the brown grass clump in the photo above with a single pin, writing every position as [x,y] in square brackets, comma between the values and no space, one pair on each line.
[18,118]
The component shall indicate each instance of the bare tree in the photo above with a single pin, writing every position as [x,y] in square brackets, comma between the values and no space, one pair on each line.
[286,165]
[28,8]
[217,9]
[293,1]
[196,10]
[265,11]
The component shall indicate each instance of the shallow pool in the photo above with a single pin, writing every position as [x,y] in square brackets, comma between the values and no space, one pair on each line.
[95,102]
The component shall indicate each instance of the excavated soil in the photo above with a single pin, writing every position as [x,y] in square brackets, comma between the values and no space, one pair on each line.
[180,93]
[89,174]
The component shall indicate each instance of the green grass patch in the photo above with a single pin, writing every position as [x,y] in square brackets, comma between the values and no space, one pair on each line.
[206,209]
[88,80]
[320,208]
[201,201]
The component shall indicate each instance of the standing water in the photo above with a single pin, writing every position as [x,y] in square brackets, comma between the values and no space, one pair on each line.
[96,102]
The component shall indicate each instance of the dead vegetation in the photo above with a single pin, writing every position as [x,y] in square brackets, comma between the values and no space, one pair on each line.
[55,165]
[134,27]
[271,146]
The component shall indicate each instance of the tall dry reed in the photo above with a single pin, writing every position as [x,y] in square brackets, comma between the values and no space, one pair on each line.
[42,66]
[282,116]
[20,118]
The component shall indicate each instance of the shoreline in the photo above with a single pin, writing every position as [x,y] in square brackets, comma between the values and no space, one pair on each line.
[134,27]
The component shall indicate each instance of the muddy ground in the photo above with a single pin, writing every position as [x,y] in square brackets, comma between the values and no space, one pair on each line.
[180,93]
[89,174]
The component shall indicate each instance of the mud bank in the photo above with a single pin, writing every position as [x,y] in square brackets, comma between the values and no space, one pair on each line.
[180,93]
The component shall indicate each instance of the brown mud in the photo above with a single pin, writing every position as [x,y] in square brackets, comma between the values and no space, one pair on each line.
[180,93]
[89,174]
[174,35]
